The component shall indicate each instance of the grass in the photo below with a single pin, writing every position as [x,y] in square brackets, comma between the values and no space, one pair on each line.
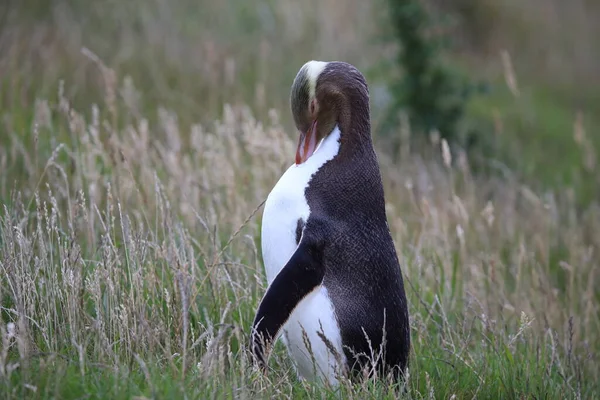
[130,262]
[131,265]
[542,137]
[190,55]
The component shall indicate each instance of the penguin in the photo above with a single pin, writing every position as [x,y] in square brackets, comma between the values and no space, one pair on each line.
[335,294]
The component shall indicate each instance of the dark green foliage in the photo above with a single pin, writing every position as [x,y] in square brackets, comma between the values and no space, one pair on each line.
[433,95]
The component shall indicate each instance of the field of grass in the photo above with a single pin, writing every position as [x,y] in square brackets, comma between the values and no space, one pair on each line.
[130,266]
[130,211]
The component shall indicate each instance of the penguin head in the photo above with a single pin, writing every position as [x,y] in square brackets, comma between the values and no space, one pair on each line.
[325,95]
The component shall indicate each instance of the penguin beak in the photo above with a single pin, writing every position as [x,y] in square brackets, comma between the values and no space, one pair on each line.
[307,144]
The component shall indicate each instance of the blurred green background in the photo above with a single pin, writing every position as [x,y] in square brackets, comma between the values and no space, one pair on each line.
[536,65]
[513,85]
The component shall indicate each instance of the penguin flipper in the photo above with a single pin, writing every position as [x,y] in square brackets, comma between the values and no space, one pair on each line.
[299,277]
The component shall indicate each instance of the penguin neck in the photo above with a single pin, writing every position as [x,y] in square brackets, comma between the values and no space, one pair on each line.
[355,126]
[340,147]
[327,149]
[343,145]
[355,139]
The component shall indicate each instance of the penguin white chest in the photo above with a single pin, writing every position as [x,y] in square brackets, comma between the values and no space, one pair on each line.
[314,316]
[286,204]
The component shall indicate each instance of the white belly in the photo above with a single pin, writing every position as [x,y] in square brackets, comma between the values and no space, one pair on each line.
[314,318]
[284,206]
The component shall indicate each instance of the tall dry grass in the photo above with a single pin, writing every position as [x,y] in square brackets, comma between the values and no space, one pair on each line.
[134,246]
[193,55]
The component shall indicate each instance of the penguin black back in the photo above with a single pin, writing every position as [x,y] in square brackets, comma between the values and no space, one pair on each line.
[362,272]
